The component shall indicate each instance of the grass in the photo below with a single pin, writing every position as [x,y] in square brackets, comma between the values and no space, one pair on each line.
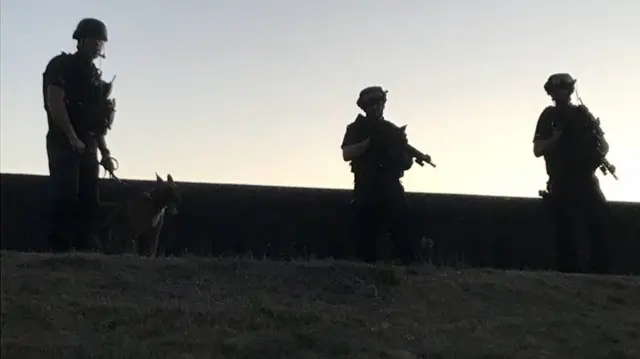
[92,306]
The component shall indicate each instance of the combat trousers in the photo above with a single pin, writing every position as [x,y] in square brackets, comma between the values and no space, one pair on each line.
[74,204]
[578,206]
[381,212]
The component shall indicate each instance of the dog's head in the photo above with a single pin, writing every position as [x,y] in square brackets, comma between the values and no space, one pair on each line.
[166,194]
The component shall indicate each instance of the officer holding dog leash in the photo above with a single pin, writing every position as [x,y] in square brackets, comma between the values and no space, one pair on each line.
[79,115]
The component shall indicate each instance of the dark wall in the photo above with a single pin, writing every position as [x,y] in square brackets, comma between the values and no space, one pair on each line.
[288,222]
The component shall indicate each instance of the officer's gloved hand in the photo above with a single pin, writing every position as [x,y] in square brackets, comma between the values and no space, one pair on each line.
[107,162]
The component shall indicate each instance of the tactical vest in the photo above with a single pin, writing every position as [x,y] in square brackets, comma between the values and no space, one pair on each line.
[384,157]
[85,95]
[578,149]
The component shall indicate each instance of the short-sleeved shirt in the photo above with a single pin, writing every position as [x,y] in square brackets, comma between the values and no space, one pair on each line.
[544,126]
[77,77]
[356,132]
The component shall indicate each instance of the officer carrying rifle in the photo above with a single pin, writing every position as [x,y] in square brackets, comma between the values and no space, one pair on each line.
[572,143]
[379,154]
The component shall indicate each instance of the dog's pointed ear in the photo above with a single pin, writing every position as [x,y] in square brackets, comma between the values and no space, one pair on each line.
[169,178]
[158,178]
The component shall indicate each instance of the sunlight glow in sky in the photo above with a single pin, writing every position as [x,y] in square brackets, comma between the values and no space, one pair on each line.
[260,92]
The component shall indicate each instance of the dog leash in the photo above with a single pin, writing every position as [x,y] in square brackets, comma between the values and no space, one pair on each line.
[110,168]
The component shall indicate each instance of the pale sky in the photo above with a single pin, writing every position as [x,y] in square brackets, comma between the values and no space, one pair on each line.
[260,91]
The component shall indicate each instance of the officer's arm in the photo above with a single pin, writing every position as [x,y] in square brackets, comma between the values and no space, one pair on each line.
[354,143]
[544,138]
[102,146]
[55,79]
[604,146]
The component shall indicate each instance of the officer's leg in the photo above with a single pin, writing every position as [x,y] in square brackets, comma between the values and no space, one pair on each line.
[63,187]
[88,198]
[597,217]
[399,229]
[562,206]
[368,229]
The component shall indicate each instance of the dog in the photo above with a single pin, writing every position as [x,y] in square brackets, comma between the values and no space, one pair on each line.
[134,226]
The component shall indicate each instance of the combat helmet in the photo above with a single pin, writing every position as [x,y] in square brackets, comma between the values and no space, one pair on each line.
[559,80]
[371,94]
[90,27]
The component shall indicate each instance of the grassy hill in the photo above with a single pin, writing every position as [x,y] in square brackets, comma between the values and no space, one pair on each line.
[91,306]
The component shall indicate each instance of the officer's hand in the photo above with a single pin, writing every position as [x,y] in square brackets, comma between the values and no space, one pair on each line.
[107,163]
[77,145]
[364,144]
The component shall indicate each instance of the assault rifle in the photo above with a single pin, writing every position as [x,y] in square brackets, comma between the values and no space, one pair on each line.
[419,157]
[605,166]
[109,104]
[103,116]
[103,113]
